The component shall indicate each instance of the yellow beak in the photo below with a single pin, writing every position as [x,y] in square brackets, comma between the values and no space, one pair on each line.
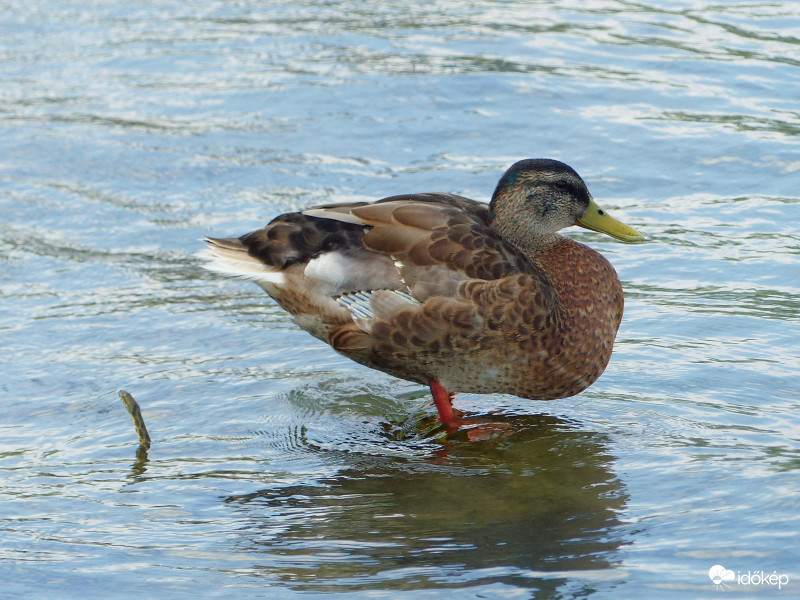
[596,219]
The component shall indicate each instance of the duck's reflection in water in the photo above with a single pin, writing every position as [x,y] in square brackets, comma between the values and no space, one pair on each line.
[541,499]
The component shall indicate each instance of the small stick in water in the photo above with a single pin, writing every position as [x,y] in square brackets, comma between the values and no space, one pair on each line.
[138,420]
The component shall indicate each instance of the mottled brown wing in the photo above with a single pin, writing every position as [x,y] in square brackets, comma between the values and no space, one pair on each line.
[505,324]
[479,296]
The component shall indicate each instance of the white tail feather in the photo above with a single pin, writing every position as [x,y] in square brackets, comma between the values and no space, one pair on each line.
[238,263]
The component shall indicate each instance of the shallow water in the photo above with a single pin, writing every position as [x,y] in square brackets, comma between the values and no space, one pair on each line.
[279,468]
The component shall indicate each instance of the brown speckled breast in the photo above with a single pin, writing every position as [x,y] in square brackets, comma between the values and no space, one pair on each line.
[592,299]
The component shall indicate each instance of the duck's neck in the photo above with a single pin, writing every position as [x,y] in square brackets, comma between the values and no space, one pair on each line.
[521,236]
[536,244]
[509,218]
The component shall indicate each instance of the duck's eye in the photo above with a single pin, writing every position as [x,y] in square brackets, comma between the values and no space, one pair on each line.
[562,185]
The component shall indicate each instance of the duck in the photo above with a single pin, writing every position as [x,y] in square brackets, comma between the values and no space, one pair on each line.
[449,292]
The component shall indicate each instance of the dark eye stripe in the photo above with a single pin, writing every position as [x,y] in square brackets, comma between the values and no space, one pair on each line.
[577,191]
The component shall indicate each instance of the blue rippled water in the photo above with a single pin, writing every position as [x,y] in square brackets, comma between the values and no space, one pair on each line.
[279,469]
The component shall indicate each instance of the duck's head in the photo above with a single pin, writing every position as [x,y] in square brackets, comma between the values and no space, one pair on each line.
[537,197]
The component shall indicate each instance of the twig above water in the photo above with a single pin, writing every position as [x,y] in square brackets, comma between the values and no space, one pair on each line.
[138,420]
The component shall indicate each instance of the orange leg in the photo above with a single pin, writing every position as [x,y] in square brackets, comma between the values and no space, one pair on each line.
[444,404]
[452,419]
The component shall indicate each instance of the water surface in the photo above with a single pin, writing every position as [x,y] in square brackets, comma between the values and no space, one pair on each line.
[279,468]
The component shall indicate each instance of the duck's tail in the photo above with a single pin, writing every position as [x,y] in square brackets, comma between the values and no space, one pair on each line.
[230,256]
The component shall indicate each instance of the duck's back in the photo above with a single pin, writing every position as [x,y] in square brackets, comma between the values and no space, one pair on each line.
[418,244]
